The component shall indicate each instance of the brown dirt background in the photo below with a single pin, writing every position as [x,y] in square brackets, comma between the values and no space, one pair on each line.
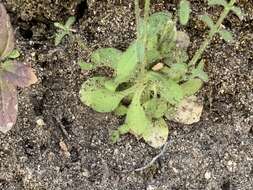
[215,153]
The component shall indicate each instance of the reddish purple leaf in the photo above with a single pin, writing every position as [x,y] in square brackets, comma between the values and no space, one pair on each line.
[8,106]
[17,73]
[6,33]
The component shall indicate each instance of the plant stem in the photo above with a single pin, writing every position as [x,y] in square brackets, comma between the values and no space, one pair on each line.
[212,32]
[146,15]
[137,17]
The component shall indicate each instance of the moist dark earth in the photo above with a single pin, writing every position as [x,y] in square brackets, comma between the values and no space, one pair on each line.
[60,144]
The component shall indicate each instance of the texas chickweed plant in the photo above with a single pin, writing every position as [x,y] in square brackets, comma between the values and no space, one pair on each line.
[12,74]
[153,78]
[63,30]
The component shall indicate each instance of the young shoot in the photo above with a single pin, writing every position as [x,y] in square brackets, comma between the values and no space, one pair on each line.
[153,78]
[63,30]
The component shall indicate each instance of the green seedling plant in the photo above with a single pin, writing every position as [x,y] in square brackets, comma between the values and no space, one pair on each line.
[154,77]
[63,30]
[12,73]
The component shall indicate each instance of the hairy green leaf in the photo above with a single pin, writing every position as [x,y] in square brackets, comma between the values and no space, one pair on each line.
[176,71]
[198,72]
[14,54]
[59,36]
[155,108]
[127,64]
[59,25]
[156,136]
[85,66]
[238,12]
[17,73]
[94,95]
[184,11]
[8,106]
[171,91]
[206,19]
[121,110]
[191,87]
[108,57]
[136,119]
[71,20]
[63,30]
[156,24]
[226,35]
[6,33]
[217,2]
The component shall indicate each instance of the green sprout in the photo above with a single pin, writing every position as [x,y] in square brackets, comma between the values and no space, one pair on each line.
[153,78]
[63,30]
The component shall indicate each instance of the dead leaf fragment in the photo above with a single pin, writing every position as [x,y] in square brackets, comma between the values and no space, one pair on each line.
[18,73]
[157,134]
[8,106]
[64,148]
[6,33]
[188,111]
[183,40]
[158,67]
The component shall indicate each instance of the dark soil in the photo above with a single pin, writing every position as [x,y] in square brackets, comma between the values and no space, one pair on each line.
[72,150]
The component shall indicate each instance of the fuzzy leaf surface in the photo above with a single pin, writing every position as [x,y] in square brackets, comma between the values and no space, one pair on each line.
[94,95]
[108,57]
[217,2]
[191,87]
[238,12]
[199,72]
[85,66]
[6,33]
[226,35]
[176,71]
[127,63]
[206,19]
[17,73]
[136,119]
[14,54]
[71,20]
[171,91]
[155,108]
[184,11]
[8,106]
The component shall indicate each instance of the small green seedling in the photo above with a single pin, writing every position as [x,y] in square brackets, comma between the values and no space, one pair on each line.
[63,30]
[12,74]
[153,78]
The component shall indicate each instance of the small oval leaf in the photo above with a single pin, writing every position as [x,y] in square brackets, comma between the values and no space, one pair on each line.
[184,11]
[94,95]
[226,35]
[238,12]
[217,2]
[128,62]
[191,87]
[207,20]
[136,119]
[108,57]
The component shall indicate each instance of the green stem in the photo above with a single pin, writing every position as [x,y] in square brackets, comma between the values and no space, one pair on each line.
[146,15]
[137,17]
[212,32]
